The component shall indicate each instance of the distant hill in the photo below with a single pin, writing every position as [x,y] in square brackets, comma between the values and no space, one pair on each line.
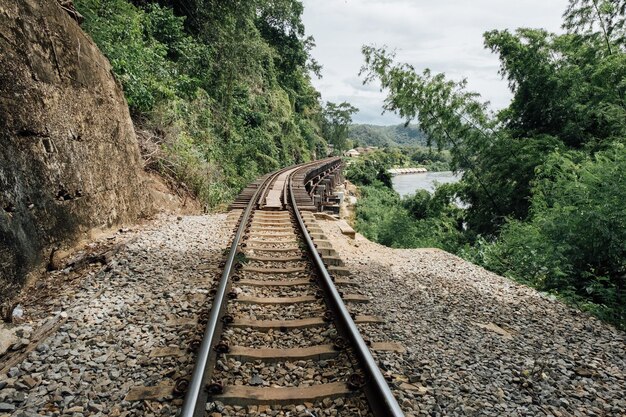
[373,135]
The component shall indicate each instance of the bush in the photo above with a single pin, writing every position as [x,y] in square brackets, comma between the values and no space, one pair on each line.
[368,171]
[148,49]
[418,221]
[574,243]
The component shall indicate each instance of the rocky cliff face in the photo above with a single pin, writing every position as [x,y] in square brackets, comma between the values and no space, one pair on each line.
[69,159]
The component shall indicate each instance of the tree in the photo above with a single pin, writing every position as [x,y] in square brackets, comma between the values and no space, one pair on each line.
[544,177]
[223,86]
[338,118]
[449,115]
[564,86]
[598,18]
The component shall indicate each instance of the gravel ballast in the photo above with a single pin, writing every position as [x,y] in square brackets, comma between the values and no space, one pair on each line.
[478,343]
[116,321]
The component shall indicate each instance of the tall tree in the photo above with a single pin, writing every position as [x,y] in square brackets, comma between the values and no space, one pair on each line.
[338,119]
[565,86]
[450,116]
[601,18]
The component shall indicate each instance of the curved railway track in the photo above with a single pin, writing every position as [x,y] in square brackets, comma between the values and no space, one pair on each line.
[279,339]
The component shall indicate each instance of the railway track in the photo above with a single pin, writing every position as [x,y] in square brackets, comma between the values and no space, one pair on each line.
[282,335]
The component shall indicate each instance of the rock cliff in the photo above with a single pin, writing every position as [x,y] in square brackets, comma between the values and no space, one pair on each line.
[69,159]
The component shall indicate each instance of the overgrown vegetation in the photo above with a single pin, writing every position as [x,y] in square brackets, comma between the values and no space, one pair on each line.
[220,91]
[544,178]
[419,220]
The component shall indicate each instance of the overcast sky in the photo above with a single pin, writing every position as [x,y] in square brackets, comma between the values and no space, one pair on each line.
[443,35]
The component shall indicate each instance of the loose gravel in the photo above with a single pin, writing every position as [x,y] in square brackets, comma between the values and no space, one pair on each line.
[276,265]
[476,344]
[120,315]
[479,344]
[290,338]
[278,311]
[274,277]
[275,291]
[304,373]
[341,407]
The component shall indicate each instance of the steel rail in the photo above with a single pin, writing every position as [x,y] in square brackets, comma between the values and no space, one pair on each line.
[266,188]
[194,391]
[379,395]
[381,399]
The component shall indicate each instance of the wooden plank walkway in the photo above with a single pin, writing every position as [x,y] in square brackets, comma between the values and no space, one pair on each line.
[272,199]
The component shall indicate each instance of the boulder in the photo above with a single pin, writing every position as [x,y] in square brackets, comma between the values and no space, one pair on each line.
[69,159]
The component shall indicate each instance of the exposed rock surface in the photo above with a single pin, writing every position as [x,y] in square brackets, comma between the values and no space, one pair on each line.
[69,159]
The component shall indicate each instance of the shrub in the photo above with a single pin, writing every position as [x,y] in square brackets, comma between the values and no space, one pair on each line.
[574,243]
[413,222]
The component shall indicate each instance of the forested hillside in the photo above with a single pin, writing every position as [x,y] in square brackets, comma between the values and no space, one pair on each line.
[544,179]
[220,91]
[373,135]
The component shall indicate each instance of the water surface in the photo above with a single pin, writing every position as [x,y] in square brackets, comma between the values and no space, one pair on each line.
[409,183]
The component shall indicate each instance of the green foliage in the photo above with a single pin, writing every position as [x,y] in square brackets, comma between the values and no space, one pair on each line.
[544,177]
[447,113]
[596,18]
[428,158]
[508,168]
[419,221]
[567,93]
[563,86]
[578,205]
[338,118]
[575,240]
[372,168]
[151,54]
[368,172]
[222,87]
[188,149]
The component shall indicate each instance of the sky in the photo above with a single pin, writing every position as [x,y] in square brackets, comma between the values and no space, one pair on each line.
[443,35]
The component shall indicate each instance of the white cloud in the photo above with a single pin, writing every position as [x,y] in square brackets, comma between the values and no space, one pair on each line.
[444,35]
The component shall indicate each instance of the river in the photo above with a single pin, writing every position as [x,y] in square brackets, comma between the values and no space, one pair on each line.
[409,183]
